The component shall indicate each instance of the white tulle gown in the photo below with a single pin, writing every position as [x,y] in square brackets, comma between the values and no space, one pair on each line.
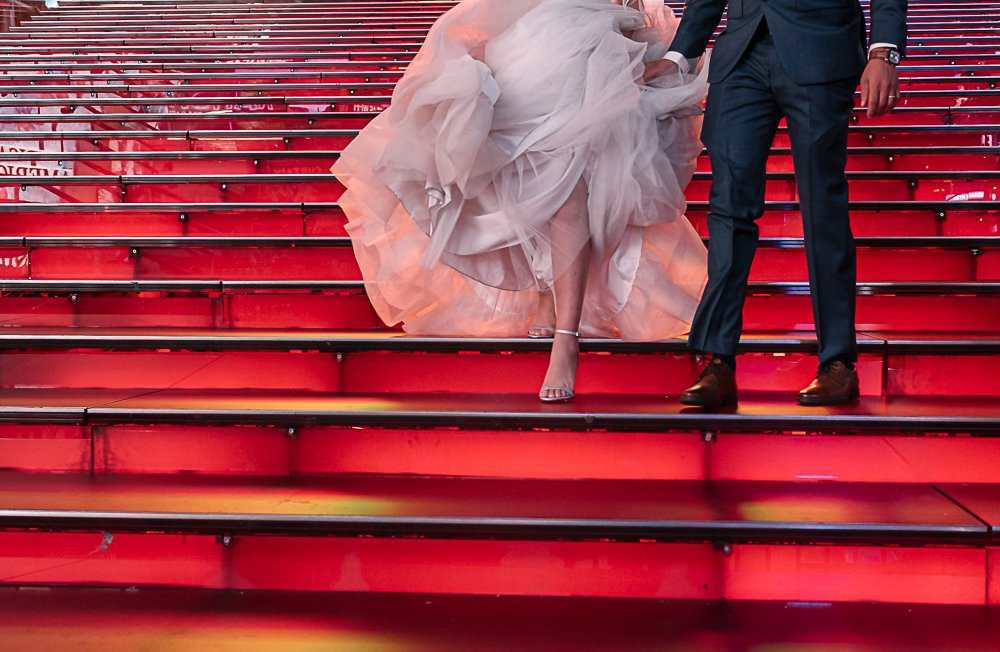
[508,106]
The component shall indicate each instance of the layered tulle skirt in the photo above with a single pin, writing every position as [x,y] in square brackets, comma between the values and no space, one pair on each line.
[510,106]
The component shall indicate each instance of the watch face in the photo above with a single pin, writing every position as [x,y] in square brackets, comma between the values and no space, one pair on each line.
[893,57]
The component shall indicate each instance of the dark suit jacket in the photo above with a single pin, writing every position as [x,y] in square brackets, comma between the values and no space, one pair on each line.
[818,41]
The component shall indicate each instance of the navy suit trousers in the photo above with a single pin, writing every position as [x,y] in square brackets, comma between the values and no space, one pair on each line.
[742,116]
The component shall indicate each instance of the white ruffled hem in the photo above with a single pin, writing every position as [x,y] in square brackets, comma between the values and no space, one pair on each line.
[450,192]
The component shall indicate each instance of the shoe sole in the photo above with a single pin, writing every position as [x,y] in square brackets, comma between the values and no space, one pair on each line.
[809,402]
[702,404]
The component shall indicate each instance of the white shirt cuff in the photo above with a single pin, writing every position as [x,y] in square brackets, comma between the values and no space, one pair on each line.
[679,59]
[874,46]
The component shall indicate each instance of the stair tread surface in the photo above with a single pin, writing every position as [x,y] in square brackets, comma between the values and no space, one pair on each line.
[983,500]
[392,339]
[168,620]
[480,506]
[757,410]
[57,405]
[384,339]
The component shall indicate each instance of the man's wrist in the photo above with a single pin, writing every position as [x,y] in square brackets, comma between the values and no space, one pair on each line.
[881,44]
[888,54]
[679,59]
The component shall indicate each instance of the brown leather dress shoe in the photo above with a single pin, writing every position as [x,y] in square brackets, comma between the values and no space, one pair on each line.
[716,386]
[834,383]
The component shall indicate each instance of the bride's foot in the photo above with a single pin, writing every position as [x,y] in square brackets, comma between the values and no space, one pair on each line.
[560,379]
[544,317]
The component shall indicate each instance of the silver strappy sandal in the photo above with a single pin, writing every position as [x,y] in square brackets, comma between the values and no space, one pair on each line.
[570,393]
[540,332]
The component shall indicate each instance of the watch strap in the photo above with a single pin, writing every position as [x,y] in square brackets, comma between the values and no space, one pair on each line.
[888,55]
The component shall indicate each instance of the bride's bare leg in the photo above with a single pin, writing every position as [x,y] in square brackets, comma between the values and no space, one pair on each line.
[569,226]
[545,316]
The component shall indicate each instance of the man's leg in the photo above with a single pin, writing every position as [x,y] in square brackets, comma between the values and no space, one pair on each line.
[740,121]
[818,117]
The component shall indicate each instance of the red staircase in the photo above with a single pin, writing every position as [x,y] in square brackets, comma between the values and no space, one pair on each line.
[196,395]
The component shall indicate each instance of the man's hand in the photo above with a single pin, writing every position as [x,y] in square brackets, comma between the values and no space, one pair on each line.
[659,68]
[879,87]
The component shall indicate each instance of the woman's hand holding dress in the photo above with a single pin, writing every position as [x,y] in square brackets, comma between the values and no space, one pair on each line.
[500,136]
[659,68]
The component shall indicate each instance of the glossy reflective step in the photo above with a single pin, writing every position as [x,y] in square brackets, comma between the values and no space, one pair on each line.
[472,508]
[118,619]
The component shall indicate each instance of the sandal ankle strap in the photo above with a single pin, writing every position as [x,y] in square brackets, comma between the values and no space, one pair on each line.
[563,331]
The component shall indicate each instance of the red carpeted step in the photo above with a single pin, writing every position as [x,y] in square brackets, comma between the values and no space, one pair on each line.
[982,500]
[186,162]
[207,303]
[246,258]
[875,456]
[889,456]
[123,620]
[757,411]
[386,361]
[355,40]
[866,163]
[472,508]
[147,188]
[235,53]
[875,219]
[332,125]
[237,559]
[194,78]
[780,220]
[287,219]
[141,92]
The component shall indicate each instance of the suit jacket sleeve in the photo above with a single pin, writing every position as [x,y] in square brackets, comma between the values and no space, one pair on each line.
[698,23]
[888,22]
